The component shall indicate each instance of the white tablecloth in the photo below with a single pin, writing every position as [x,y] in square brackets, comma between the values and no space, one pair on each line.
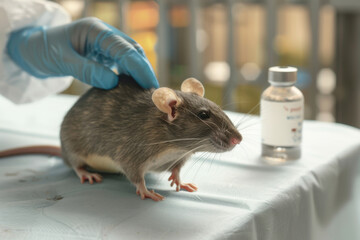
[239,197]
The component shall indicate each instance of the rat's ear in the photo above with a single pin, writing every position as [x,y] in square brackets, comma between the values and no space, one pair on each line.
[166,100]
[193,85]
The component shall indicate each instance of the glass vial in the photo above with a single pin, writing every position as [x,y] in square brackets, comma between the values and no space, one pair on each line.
[282,114]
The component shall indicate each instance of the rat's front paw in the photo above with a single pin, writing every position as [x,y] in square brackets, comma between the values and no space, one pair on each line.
[175,179]
[190,187]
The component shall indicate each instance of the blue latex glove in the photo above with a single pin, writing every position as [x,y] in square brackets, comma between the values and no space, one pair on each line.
[85,49]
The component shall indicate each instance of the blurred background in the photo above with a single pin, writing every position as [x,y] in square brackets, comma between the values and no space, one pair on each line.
[230,44]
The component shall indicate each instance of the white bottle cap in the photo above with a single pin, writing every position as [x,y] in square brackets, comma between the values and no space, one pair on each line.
[282,75]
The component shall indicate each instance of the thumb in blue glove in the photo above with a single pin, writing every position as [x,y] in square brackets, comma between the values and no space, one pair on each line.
[86,49]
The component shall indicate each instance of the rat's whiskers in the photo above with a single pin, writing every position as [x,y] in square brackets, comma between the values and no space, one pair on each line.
[186,153]
[251,124]
[173,140]
[247,115]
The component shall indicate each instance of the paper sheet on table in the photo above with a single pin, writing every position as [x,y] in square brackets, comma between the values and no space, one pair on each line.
[238,198]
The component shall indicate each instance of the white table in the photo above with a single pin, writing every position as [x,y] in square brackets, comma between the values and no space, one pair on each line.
[239,197]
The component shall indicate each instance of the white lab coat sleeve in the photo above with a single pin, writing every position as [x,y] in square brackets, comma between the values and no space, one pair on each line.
[15,84]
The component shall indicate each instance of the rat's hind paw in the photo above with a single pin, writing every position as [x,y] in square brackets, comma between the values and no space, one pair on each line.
[150,194]
[142,191]
[85,175]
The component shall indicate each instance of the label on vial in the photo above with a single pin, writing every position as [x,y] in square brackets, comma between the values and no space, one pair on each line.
[281,123]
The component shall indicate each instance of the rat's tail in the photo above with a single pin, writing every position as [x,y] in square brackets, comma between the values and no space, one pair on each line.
[41,149]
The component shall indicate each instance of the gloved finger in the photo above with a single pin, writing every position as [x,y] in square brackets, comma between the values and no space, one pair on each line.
[96,40]
[139,68]
[105,42]
[92,73]
[137,46]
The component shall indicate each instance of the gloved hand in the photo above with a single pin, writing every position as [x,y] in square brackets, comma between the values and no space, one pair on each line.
[85,49]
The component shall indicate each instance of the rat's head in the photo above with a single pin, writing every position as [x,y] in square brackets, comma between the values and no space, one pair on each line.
[193,121]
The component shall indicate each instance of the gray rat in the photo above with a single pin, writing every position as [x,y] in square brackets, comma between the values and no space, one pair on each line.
[133,131]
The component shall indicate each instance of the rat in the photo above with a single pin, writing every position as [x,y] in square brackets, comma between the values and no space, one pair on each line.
[133,131]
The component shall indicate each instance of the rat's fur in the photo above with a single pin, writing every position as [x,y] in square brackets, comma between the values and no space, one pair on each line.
[124,125]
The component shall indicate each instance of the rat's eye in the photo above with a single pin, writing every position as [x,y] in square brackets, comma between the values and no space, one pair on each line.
[203,115]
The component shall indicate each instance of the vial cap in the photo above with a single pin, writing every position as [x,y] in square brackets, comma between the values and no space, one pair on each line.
[282,75]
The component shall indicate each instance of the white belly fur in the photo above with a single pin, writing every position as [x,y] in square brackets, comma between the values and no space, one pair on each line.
[107,164]
[103,163]
[170,156]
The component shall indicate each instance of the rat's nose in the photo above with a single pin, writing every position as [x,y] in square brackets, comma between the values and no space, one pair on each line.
[235,141]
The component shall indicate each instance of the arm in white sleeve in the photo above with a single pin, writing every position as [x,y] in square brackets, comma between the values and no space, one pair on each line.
[15,84]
